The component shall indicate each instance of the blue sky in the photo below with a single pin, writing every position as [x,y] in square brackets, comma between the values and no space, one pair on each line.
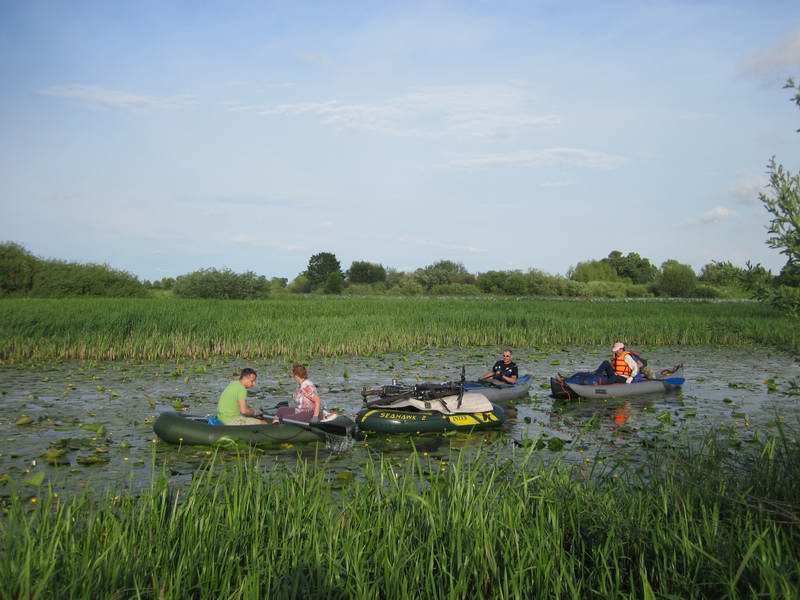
[162,137]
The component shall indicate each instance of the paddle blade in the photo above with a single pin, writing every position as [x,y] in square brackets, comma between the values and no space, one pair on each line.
[674,380]
[341,426]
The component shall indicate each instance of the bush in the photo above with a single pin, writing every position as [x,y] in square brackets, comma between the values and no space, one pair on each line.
[17,267]
[222,284]
[300,285]
[706,291]
[334,283]
[637,291]
[455,289]
[55,278]
[443,272]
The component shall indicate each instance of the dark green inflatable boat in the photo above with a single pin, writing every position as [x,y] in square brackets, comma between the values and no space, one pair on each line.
[177,428]
[388,420]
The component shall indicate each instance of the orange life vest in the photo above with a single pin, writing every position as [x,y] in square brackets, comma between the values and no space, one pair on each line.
[620,366]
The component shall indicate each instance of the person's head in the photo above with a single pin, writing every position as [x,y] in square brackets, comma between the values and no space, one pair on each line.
[247,377]
[618,347]
[299,372]
[507,356]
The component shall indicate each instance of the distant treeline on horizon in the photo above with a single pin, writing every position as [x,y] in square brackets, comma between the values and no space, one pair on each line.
[616,276]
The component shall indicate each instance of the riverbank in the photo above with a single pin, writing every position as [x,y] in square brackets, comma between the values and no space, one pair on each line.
[304,328]
[702,523]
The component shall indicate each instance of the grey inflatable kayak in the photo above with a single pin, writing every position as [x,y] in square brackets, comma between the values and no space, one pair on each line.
[567,391]
[500,392]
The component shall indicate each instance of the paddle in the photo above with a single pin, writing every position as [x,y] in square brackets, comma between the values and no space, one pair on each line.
[330,427]
[673,380]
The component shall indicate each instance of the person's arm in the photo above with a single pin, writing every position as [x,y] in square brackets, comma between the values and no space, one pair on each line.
[631,362]
[311,393]
[488,375]
[245,410]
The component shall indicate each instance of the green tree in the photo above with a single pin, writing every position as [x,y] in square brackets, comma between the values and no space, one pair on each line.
[723,273]
[782,201]
[676,280]
[593,270]
[320,266]
[300,285]
[366,272]
[632,266]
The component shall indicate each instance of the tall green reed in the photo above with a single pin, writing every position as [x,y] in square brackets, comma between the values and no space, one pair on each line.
[150,329]
[690,525]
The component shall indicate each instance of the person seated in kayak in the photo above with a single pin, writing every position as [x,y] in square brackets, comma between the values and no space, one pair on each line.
[232,408]
[623,367]
[504,370]
[308,404]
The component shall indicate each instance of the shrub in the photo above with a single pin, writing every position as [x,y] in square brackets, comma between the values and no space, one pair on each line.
[706,291]
[455,289]
[300,285]
[334,283]
[17,267]
[222,284]
[55,278]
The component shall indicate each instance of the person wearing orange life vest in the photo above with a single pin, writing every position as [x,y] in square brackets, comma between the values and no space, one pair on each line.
[622,368]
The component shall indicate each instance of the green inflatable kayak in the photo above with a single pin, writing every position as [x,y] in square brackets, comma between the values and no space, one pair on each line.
[177,428]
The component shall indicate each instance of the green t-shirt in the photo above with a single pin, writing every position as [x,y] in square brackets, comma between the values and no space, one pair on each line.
[228,405]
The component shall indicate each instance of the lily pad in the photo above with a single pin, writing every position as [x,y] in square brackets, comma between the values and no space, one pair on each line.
[91,459]
[35,480]
[24,420]
[555,444]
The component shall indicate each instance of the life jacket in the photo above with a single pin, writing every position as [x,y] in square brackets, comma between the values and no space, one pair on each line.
[620,366]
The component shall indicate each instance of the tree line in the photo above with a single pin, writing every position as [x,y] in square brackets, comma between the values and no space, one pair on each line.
[616,276]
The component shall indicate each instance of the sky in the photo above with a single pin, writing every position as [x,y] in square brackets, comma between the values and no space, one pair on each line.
[163,137]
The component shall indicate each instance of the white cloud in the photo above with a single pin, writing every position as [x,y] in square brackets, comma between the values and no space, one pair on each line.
[714,215]
[746,190]
[778,61]
[550,157]
[478,111]
[99,96]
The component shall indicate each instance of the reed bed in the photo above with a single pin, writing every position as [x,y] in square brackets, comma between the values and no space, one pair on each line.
[691,526]
[152,329]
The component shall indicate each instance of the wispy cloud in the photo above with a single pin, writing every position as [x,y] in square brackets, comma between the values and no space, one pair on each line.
[418,241]
[551,157]
[478,111]
[102,97]
[714,215]
[781,60]
[747,189]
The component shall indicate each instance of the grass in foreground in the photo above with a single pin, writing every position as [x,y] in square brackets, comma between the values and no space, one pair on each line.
[152,329]
[696,526]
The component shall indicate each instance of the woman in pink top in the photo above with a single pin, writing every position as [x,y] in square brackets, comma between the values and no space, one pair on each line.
[308,405]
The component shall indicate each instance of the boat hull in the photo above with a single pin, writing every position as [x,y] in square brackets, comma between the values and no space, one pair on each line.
[388,420]
[176,428]
[498,392]
[568,391]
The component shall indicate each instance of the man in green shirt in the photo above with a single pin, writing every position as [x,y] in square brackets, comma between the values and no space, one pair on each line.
[232,408]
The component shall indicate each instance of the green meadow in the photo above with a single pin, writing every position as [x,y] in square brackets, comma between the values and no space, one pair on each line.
[316,326]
